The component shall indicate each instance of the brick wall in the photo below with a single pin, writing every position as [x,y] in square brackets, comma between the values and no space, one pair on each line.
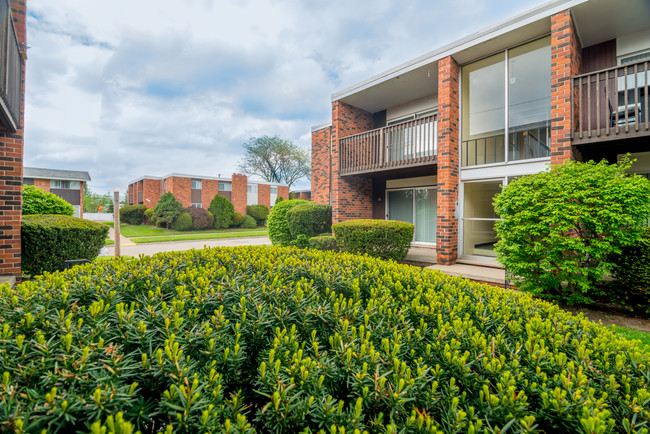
[181,188]
[351,196]
[151,190]
[129,199]
[566,61]
[448,146]
[283,191]
[209,189]
[43,184]
[81,199]
[264,195]
[239,194]
[320,165]
[11,167]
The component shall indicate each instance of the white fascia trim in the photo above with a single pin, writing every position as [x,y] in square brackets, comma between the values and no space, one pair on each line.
[503,27]
[185,175]
[320,126]
[155,178]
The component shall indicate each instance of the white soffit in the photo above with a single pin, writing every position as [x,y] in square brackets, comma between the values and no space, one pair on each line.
[602,20]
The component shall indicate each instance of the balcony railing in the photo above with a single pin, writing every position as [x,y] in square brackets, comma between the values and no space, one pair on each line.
[10,68]
[408,144]
[611,103]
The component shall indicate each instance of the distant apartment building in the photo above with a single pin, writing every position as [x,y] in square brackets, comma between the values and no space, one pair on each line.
[67,184]
[198,191]
[301,194]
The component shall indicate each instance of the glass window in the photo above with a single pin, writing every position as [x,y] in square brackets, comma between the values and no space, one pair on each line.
[479,217]
[65,185]
[196,205]
[196,184]
[529,100]
[274,189]
[400,205]
[223,186]
[417,206]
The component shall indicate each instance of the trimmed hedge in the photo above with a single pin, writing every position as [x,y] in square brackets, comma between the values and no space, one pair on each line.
[323,242]
[632,276]
[259,212]
[39,201]
[222,210]
[277,224]
[237,220]
[285,340]
[133,214]
[386,239]
[148,217]
[49,240]
[309,219]
[249,222]
[200,218]
[183,222]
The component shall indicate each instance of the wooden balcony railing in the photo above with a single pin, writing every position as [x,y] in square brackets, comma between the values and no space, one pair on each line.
[10,69]
[408,144]
[611,103]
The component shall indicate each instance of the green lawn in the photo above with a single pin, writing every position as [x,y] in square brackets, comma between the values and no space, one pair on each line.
[131,231]
[632,334]
[200,235]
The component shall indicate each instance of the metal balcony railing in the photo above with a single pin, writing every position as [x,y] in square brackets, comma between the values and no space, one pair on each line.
[10,70]
[407,144]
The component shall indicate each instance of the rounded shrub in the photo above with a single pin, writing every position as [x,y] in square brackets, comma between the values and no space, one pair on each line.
[237,220]
[222,210]
[148,217]
[385,239]
[200,218]
[323,242]
[49,240]
[309,219]
[183,222]
[277,224]
[632,276]
[166,210]
[258,339]
[249,222]
[39,201]
[133,214]
[259,212]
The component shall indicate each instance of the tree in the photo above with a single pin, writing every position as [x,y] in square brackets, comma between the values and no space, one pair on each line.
[92,201]
[275,160]
[167,209]
[222,210]
[38,201]
[560,230]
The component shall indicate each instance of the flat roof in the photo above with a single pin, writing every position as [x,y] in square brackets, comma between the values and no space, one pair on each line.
[58,174]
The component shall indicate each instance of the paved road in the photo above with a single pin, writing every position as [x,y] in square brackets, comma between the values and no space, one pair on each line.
[151,248]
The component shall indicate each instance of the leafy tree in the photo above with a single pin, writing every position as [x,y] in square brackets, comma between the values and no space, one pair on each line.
[39,201]
[92,201]
[166,210]
[561,229]
[223,211]
[275,160]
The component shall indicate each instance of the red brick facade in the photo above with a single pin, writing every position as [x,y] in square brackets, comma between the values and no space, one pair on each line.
[448,154]
[565,62]
[151,190]
[283,191]
[209,189]
[351,196]
[264,195]
[321,165]
[239,192]
[43,184]
[11,166]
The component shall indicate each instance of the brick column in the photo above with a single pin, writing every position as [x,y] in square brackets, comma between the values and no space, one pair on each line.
[351,196]
[239,192]
[566,58]
[321,165]
[210,188]
[448,158]
[151,190]
[264,195]
[11,162]
[283,191]
[81,199]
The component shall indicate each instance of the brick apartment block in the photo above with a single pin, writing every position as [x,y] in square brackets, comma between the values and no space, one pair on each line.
[433,140]
[192,190]
[67,184]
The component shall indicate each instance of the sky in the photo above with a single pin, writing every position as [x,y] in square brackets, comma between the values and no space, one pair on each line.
[127,88]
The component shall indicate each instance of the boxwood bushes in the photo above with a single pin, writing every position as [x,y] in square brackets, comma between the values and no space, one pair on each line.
[386,239]
[279,231]
[38,201]
[286,340]
[49,240]
[133,214]
[309,219]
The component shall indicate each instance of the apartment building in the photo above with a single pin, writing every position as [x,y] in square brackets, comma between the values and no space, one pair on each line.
[67,184]
[432,141]
[13,52]
[198,191]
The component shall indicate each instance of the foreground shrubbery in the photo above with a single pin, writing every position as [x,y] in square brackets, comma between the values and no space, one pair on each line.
[386,239]
[279,231]
[285,340]
[49,240]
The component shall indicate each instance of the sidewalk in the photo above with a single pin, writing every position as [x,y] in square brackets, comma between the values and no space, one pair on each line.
[123,240]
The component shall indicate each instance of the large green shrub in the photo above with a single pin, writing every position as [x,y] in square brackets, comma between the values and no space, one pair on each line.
[631,274]
[183,222]
[200,218]
[259,212]
[132,214]
[277,224]
[559,229]
[386,239]
[149,218]
[166,210]
[38,201]
[237,220]
[309,219]
[285,340]
[323,242]
[49,240]
[249,222]
[222,210]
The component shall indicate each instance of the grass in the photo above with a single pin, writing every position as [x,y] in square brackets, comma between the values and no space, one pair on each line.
[109,224]
[131,231]
[199,236]
[109,242]
[632,334]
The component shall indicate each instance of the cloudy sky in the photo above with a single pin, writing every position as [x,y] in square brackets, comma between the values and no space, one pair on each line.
[126,88]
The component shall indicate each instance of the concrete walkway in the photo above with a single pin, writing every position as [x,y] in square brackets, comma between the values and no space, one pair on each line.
[123,240]
[488,274]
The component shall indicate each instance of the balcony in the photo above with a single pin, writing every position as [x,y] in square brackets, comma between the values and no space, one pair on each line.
[10,68]
[406,145]
[611,104]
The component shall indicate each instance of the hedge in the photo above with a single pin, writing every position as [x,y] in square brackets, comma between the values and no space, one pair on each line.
[222,210]
[49,240]
[39,201]
[632,276]
[386,239]
[249,222]
[259,212]
[149,218]
[284,340]
[183,222]
[237,220]
[277,224]
[133,214]
[309,219]
[323,242]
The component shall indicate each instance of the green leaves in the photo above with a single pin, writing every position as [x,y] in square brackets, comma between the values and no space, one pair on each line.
[39,201]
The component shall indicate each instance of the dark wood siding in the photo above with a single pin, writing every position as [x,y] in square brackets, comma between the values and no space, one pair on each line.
[73,197]
[599,56]
[379,198]
[379,119]
[226,194]
[28,181]
[196,196]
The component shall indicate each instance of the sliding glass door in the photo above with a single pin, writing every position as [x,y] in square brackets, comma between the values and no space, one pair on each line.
[417,206]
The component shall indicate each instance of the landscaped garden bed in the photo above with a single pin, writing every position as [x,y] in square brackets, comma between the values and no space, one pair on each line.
[281,339]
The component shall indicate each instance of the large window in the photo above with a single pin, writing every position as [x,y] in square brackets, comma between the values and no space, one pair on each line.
[251,196]
[65,185]
[225,186]
[196,184]
[508,91]
[417,206]
[479,217]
